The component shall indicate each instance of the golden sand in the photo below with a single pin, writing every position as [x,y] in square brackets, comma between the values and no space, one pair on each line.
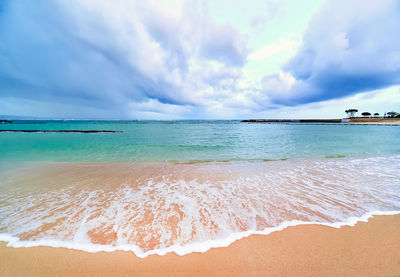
[372,120]
[368,249]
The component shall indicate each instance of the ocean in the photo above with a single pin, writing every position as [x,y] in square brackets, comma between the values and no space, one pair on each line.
[187,186]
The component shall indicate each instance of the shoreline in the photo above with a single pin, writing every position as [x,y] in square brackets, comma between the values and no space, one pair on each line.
[179,250]
[394,122]
[343,121]
[171,162]
[368,248]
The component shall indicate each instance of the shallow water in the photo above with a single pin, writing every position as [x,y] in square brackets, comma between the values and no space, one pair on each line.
[193,141]
[156,188]
[148,207]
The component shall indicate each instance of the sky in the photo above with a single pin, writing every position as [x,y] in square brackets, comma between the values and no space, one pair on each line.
[205,59]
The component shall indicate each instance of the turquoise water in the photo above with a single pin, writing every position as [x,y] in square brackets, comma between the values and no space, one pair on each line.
[193,141]
[167,194]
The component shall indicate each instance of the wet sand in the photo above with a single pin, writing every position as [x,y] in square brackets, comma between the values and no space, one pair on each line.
[367,249]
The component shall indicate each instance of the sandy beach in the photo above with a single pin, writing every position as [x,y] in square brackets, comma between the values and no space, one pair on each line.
[199,138]
[391,122]
[371,120]
[368,249]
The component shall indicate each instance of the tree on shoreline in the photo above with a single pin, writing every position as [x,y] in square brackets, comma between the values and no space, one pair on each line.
[376,114]
[392,114]
[351,112]
[366,114]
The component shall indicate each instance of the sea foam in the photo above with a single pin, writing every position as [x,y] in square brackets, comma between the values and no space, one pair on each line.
[181,250]
[158,209]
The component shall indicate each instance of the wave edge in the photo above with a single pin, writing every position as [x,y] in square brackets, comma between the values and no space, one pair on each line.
[199,247]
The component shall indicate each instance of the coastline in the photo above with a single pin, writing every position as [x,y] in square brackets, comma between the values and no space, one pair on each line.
[383,122]
[356,120]
[369,248]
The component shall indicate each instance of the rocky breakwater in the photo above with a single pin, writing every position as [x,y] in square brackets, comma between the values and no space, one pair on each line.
[62,131]
[3,121]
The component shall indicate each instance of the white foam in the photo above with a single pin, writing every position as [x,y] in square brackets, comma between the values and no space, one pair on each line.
[174,212]
[181,250]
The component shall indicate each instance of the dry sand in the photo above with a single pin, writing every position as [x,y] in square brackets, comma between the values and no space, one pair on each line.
[371,120]
[397,122]
[368,249]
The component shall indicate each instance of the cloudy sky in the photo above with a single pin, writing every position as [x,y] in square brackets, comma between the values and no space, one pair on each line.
[211,59]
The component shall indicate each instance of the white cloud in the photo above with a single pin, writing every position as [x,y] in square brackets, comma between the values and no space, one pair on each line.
[354,50]
[119,52]
[158,59]
[380,101]
[272,49]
